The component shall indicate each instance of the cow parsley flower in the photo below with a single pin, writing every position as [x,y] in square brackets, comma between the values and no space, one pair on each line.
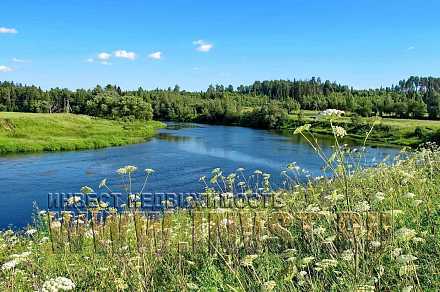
[248,260]
[362,206]
[149,170]
[406,234]
[58,284]
[86,190]
[10,265]
[269,286]
[30,232]
[339,131]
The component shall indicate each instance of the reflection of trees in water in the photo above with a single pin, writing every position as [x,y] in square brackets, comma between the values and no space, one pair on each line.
[179,126]
[172,138]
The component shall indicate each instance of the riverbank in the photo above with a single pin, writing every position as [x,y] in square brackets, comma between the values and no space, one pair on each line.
[309,242]
[387,131]
[33,132]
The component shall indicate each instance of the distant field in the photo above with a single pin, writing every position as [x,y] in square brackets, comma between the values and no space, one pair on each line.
[30,132]
[387,131]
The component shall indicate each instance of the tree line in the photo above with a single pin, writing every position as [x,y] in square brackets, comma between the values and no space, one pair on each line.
[262,104]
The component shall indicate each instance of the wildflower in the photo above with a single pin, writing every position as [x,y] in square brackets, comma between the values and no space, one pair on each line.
[73,200]
[396,252]
[89,233]
[10,265]
[103,183]
[226,222]
[192,286]
[325,264]
[302,128]
[375,244]
[121,171]
[30,232]
[302,274]
[149,170]
[409,195]
[307,260]
[57,284]
[130,169]
[313,208]
[334,196]
[22,256]
[248,260]
[418,240]
[339,131]
[379,197]
[55,224]
[405,234]
[86,190]
[120,284]
[407,269]
[42,213]
[347,255]
[258,172]
[319,230]
[240,169]
[45,239]
[269,286]
[362,206]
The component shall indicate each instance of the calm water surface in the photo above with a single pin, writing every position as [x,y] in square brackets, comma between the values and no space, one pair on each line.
[178,155]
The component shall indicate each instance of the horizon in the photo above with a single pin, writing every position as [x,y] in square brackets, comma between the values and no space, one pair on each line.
[158,45]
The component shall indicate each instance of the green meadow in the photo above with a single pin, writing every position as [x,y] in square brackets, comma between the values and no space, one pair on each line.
[374,229]
[31,132]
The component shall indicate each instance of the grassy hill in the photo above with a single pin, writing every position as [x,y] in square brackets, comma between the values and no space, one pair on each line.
[30,132]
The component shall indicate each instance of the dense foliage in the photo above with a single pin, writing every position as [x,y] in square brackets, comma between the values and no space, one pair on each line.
[416,97]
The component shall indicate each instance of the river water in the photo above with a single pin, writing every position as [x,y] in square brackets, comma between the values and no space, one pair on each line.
[179,154]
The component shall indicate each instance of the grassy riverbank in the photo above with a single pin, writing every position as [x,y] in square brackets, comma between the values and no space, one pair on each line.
[387,131]
[30,132]
[370,230]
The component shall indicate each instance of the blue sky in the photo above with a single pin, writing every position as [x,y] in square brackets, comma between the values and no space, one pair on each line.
[360,43]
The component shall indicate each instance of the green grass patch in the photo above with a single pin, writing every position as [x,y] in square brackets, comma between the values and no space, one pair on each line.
[31,132]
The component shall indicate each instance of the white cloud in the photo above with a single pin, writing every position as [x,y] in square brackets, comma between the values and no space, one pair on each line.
[90,60]
[410,48]
[8,30]
[16,60]
[155,55]
[125,55]
[4,69]
[104,57]
[203,46]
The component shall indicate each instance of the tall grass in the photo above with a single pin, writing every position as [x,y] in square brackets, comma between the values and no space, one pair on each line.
[357,230]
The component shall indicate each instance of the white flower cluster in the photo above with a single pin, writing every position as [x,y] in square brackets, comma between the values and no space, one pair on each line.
[339,131]
[58,284]
[16,259]
[332,112]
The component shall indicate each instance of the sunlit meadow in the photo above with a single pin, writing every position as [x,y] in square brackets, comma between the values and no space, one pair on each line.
[354,229]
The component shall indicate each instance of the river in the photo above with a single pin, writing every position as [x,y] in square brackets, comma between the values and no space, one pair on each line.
[178,154]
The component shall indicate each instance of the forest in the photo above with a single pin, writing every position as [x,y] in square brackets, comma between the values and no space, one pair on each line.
[263,104]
